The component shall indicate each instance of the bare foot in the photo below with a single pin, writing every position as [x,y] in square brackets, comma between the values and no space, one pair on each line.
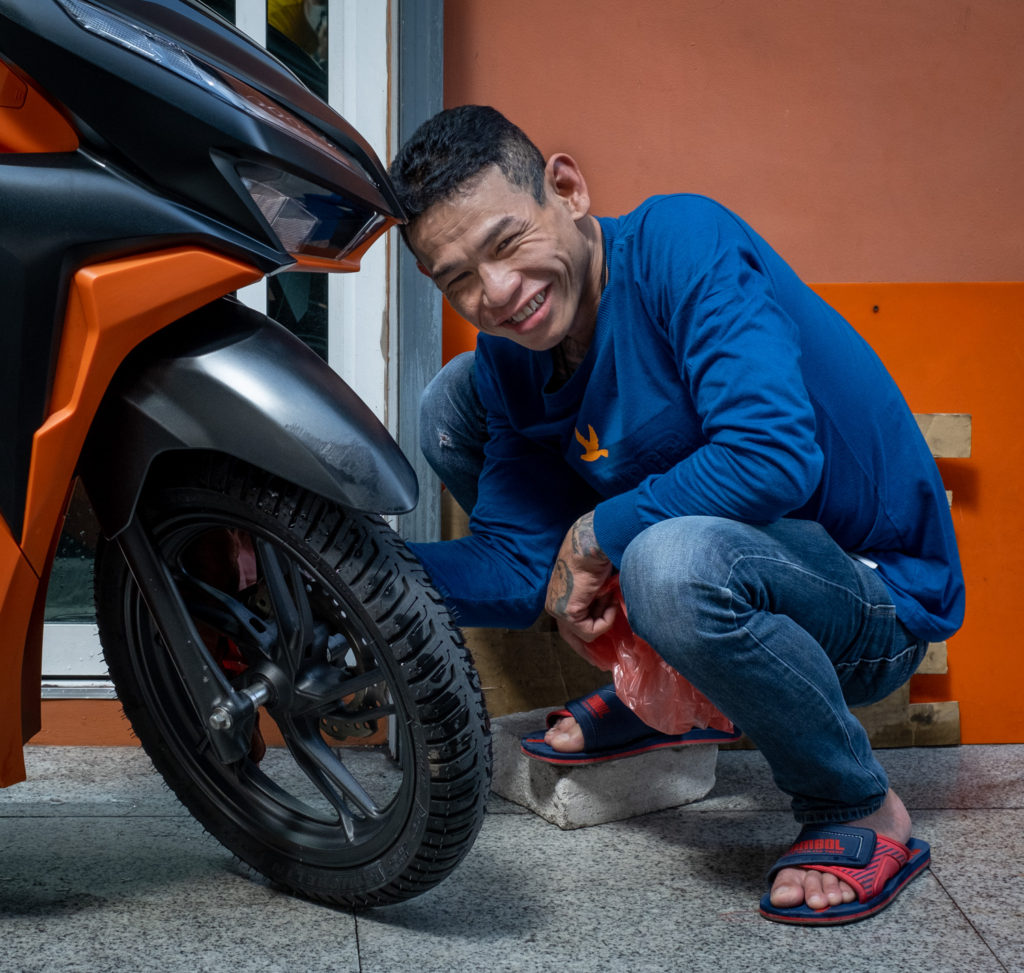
[795,886]
[565,736]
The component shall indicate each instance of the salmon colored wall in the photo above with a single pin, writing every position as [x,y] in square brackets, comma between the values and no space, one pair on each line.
[877,141]
[872,140]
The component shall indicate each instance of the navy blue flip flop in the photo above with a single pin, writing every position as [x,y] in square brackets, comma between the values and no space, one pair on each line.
[611,730]
[876,867]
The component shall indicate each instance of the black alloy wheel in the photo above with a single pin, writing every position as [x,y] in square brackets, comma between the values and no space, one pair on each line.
[378,791]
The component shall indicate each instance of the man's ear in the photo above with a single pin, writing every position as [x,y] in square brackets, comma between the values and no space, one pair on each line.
[563,177]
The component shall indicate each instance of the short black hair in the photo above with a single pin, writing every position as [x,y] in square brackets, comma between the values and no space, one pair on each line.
[454,146]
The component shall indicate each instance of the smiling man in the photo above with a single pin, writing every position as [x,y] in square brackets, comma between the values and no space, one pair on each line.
[658,396]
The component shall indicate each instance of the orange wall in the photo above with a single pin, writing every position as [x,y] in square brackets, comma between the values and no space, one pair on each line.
[955,348]
[871,141]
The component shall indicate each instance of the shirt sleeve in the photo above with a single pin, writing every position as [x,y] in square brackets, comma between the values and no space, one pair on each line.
[738,354]
[528,498]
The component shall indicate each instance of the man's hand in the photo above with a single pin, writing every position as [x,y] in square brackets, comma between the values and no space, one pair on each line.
[574,597]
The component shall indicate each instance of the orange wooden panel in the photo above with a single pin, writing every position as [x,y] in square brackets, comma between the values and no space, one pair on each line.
[876,140]
[457,336]
[958,347]
[84,723]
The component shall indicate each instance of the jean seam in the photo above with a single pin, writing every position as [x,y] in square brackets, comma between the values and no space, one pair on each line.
[865,604]
[871,605]
[888,660]
[841,723]
[840,718]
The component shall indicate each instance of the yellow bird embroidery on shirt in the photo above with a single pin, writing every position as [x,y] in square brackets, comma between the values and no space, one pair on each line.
[591,446]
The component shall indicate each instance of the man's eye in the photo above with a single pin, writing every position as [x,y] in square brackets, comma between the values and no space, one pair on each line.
[455,283]
[505,244]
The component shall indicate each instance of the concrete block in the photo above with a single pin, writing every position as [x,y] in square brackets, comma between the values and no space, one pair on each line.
[578,797]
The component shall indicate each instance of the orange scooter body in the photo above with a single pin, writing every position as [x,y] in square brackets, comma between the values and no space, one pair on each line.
[144,260]
[112,307]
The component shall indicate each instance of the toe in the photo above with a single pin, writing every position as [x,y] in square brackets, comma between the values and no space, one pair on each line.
[565,736]
[815,894]
[788,889]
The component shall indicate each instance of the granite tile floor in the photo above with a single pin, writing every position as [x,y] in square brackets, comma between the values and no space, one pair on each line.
[103,871]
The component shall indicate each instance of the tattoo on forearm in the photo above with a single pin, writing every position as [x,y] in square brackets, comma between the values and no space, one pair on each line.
[561,588]
[584,540]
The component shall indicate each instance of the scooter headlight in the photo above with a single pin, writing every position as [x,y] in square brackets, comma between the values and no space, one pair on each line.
[307,218]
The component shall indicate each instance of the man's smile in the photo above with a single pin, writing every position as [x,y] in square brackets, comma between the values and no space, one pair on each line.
[529,308]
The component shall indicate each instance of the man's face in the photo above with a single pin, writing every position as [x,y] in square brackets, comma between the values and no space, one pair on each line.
[510,266]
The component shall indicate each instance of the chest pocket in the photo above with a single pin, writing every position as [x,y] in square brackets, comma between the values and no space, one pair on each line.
[616,459]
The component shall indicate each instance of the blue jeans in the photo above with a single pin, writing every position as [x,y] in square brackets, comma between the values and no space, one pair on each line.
[453,429]
[783,631]
[777,625]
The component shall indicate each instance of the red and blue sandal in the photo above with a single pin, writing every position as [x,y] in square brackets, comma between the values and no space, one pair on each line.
[611,730]
[876,867]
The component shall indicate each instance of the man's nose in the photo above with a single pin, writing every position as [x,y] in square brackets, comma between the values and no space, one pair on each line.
[499,283]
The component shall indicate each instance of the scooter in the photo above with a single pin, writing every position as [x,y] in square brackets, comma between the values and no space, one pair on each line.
[153,160]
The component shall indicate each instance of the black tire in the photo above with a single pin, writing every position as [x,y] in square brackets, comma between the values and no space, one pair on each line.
[422,773]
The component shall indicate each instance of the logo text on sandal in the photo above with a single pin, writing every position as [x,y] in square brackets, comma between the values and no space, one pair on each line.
[830,846]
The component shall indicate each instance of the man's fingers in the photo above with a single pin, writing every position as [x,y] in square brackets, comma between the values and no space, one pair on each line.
[586,630]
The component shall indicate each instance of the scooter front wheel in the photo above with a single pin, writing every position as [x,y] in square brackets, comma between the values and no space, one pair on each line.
[369,764]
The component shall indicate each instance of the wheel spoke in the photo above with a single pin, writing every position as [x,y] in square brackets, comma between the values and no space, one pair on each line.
[291,608]
[329,775]
[228,615]
[321,689]
[363,715]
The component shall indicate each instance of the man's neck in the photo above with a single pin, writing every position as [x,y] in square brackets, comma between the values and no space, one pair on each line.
[572,349]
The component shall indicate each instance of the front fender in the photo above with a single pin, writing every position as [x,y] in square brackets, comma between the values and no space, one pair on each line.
[229,379]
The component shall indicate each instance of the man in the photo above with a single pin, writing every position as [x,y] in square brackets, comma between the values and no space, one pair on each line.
[659,396]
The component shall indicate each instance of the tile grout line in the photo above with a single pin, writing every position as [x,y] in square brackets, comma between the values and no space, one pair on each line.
[967,919]
[359,948]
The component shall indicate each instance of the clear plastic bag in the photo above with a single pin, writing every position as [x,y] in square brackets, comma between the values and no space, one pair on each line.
[647,684]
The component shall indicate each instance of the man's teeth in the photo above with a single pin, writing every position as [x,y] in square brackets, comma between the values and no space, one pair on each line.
[529,309]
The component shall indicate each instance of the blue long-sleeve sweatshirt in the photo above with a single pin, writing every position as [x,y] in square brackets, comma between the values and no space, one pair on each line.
[717,383]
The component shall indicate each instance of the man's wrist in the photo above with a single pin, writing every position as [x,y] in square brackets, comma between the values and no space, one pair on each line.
[584,540]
